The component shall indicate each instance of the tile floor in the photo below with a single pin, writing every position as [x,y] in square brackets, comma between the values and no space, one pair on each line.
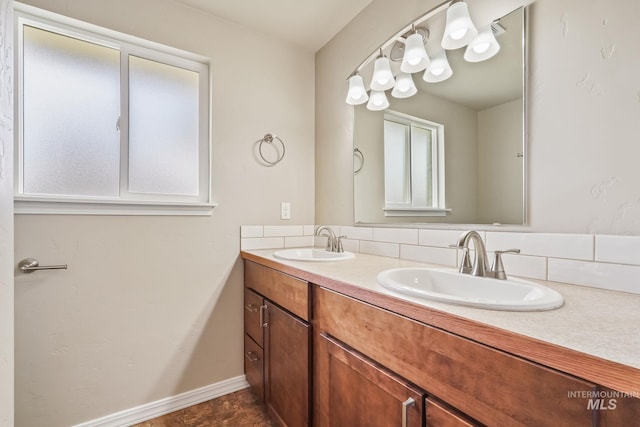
[239,409]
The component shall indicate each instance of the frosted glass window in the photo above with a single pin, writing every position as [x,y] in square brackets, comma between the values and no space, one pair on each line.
[422,178]
[71,93]
[108,123]
[396,165]
[163,128]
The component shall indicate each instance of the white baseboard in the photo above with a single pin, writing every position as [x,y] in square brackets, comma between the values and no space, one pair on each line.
[169,404]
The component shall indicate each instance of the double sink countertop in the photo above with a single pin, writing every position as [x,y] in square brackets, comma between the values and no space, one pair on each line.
[594,335]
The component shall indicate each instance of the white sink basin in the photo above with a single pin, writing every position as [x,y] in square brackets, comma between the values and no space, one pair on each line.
[449,286]
[312,254]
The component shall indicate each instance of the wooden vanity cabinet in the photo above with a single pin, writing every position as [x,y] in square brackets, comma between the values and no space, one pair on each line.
[485,384]
[276,324]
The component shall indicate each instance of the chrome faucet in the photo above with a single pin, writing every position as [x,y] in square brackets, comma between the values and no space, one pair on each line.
[480,265]
[334,243]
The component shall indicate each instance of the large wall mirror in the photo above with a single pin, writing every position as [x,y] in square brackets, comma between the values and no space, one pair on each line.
[454,151]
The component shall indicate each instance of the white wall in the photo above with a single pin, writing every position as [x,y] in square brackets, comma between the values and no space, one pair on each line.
[583,112]
[6,217]
[152,306]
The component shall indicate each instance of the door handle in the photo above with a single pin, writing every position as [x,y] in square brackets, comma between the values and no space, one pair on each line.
[29,265]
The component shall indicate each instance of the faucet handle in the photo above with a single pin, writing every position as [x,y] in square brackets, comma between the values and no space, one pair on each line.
[465,263]
[498,267]
[339,247]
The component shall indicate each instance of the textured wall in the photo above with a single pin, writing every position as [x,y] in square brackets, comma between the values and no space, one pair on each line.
[584,127]
[584,105]
[6,216]
[152,306]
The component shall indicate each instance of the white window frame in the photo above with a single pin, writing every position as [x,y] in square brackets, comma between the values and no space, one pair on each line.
[127,203]
[409,208]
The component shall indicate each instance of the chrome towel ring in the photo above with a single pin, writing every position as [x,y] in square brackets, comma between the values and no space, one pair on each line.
[357,154]
[269,139]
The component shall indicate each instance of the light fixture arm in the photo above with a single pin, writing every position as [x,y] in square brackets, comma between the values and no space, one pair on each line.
[416,22]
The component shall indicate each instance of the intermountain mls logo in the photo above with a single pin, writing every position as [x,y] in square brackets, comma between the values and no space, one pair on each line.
[603,400]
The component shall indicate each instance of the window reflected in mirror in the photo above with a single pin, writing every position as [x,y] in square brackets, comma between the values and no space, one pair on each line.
[413,166]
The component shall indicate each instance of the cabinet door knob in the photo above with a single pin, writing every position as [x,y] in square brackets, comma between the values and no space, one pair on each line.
[252,308]
[405,409]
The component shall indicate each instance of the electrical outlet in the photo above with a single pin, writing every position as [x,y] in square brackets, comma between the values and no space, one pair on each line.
[285,210]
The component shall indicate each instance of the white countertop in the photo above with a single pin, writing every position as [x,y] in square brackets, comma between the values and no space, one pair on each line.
[599,323]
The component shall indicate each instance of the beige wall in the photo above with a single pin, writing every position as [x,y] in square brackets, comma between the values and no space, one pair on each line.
[499,182]
[583,113]
[152,306]
[6,218]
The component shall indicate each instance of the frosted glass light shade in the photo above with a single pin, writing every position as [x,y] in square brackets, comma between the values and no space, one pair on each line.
[415,56]
[382,75]
[405,87]
[483,47]
[459,30]
[377,101]
[439,70]
[357,93]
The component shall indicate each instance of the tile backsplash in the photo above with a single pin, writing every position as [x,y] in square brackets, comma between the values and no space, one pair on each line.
[607,262]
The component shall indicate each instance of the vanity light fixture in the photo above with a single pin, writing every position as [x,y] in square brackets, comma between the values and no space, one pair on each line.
[405,87]
[382,74]
[483,47]
[408,46]
[459,30]
[377,101]
[439,70]
[357,93]
[415,57]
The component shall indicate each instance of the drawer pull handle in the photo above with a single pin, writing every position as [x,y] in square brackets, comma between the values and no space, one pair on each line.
[252,308]
[251,356]
[263,316]
[405,409]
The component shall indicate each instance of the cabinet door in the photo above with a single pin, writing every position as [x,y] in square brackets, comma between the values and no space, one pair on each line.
[288,376]
[364,394]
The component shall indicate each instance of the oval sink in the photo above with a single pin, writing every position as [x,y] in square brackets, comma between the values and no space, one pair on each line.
[450,286]
[312,254]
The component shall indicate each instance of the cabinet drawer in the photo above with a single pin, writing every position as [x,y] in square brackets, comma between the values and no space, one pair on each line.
[286,291]
[253,313]
[439,415]
[489,385]
[254,366]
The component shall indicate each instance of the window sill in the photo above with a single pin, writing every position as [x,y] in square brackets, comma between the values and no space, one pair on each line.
[415,212]
[37,206]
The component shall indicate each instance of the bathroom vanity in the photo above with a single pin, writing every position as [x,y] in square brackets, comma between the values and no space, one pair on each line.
[326,346]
